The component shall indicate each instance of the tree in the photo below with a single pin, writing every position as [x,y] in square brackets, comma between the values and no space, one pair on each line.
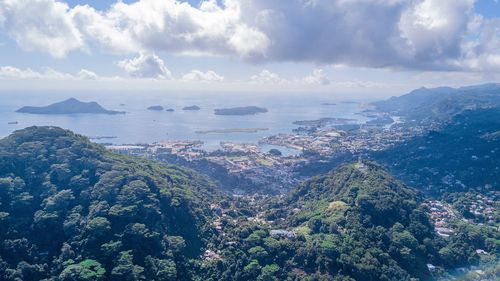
[87,270]
[125,269]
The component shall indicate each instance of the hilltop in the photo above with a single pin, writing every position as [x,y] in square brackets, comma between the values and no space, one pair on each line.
[354,223]
[70,209]
[69,106]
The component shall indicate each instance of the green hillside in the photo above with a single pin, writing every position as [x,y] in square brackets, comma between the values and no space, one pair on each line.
[462,156]
[355,223]
[71,210]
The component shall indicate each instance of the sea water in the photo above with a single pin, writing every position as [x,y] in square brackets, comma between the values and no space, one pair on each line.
[140,125]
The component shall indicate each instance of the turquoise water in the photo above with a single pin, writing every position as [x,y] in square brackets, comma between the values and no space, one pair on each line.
[140,125]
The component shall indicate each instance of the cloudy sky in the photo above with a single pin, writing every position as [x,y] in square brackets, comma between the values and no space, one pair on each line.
[382,46]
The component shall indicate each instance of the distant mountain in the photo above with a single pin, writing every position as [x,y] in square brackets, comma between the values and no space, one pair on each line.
[462,156]
[70,210]
[439,103]
[69,106]
[246,110]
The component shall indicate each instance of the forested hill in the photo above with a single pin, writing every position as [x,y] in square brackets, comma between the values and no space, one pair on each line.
[462,156]
[355,223]
[374,224]
[70,210]
[365,186]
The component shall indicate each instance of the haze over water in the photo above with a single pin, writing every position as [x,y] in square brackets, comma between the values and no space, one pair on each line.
[140,125]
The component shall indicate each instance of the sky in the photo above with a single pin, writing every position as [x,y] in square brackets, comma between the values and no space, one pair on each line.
[367,47]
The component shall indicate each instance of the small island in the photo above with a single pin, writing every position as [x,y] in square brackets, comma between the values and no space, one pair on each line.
[193,107]
[170,110]
[246,110]
[324,122]
[69,106]
[156,108]
[234,130]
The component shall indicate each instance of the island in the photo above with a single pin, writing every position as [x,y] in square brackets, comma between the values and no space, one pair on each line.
[324,122]
[170,110]
[156,108]
[235,130]
[246,110]
[69,106]
[328,103]
[193,107]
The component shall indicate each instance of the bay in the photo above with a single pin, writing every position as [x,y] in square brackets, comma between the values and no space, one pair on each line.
[140,125]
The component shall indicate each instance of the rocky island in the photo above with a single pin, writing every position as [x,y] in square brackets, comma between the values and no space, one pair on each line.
[156,108]
[69,106]
[246,110]
[193,107]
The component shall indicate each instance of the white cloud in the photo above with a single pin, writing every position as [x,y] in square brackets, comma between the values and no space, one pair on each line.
[102,30]
[146,66]
[434,30]
[268,77]
[172,26]
[199,76]
[419,34]
[85,74]
[317,77]
[483,54]
[44,25]
[14,73]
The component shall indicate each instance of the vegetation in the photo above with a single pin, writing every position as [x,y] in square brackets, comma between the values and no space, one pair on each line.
[356,223]
[462,156]
[70,210]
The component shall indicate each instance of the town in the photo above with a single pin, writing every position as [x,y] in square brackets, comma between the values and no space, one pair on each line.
[266,164]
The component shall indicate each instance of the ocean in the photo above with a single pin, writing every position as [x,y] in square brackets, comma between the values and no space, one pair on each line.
[140,125]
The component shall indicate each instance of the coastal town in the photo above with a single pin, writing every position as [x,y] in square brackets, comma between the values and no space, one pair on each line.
[273,161]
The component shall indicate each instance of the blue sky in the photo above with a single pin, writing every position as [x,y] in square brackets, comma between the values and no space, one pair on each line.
[321,45]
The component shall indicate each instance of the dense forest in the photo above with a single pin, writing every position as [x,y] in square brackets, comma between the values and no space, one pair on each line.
[462,156]
[355,223]
[71,210]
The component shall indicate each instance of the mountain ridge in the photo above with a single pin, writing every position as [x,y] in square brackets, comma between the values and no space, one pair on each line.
[441,103]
